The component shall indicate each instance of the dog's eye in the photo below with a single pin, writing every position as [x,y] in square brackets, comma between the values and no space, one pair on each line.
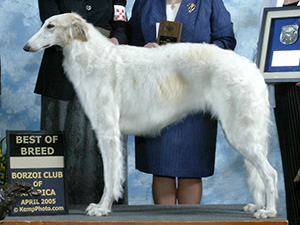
[49,26]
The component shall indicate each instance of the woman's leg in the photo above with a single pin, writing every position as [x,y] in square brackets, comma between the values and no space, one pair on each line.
[164,190]
[189,191]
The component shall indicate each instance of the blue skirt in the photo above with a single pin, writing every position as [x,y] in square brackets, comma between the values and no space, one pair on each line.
[185,149]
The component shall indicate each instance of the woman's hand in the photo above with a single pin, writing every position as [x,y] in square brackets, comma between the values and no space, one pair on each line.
[114,40]
[151,45]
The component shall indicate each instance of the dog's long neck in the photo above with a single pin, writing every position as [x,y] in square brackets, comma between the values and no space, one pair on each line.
[80,56]
[86,64]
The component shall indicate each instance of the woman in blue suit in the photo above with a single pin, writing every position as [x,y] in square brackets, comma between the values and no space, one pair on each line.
[185,150]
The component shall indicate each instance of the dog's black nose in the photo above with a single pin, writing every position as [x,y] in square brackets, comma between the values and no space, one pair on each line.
[26,48]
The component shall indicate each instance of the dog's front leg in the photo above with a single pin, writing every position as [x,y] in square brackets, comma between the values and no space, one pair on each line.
[111,150]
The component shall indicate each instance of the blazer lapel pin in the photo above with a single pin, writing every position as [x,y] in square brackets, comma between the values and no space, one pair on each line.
[191,7]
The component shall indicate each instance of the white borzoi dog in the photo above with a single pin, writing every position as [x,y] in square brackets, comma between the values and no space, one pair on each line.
[135,90]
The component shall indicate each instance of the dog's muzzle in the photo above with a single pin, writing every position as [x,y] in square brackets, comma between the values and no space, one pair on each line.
[26,48]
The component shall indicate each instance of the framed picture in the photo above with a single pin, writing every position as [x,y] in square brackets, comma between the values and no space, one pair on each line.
[278,56]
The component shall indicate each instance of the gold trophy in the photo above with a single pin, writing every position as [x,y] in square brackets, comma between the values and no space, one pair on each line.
[169,32]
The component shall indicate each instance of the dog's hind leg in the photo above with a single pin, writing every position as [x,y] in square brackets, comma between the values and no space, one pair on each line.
[248,134]
[111,150]
[269,177]
[257,188]
[253,153]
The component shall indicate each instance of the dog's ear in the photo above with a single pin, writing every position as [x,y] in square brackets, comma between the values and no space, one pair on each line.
[78,30]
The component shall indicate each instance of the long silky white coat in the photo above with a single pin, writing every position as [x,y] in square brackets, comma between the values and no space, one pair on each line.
[134,90]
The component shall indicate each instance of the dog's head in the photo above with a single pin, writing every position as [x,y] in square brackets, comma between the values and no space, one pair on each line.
[58,30]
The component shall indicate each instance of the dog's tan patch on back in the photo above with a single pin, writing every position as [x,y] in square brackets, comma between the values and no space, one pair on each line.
[202,53]
[173,88]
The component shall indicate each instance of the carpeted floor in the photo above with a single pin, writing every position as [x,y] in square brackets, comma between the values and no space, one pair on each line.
[155,213]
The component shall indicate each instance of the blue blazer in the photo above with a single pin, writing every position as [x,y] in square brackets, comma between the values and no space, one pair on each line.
[209,22]
[183,149]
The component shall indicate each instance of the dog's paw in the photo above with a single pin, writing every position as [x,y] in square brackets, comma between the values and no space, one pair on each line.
[249,208]
[263,214]
[96,210]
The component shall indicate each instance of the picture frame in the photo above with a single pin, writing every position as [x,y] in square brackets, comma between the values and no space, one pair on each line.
[278,55]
